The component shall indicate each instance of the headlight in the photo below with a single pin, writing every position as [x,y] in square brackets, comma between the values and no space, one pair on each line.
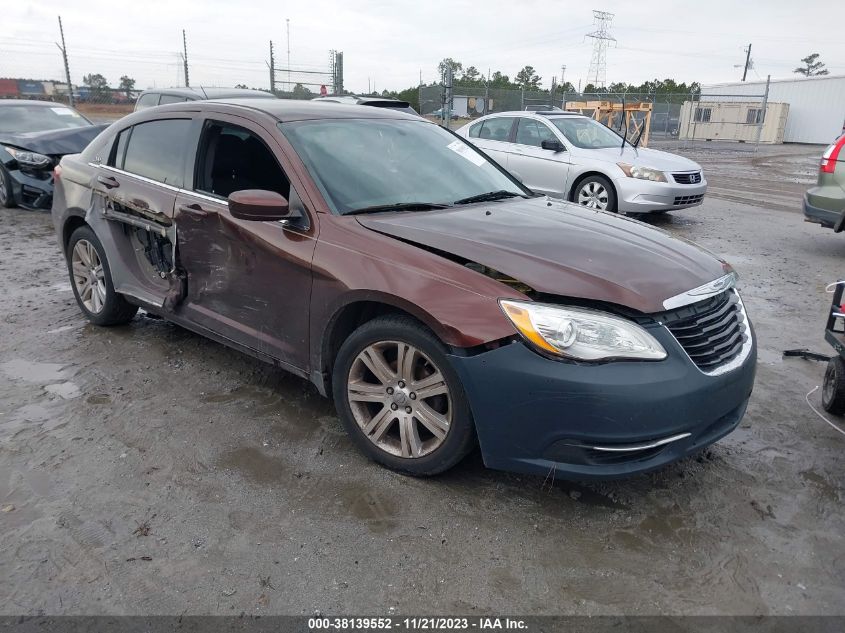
[580,333]
[643,173]
[30,159]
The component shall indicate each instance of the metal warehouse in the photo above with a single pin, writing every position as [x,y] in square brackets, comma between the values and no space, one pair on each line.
[816,104]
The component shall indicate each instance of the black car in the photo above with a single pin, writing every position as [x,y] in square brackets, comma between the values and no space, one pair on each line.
[34,135]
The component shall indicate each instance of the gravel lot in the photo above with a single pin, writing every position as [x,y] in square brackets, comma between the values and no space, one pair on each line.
[146,470]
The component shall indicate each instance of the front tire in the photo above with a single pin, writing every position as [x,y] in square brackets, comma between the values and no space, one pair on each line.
[7,196]
[90,278]
[399,398]
[595,192]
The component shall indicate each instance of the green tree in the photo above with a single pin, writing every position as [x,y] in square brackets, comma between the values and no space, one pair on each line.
[97,84]
[448,62]
[127,85]
[301,92]
[241,86]
[499,80]
[528,78]
[812,66]
[471,75]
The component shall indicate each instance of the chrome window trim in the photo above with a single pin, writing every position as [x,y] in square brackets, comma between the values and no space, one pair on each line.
[704,291]
[138,176]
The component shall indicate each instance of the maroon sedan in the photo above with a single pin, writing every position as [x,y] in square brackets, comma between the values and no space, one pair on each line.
[437,300]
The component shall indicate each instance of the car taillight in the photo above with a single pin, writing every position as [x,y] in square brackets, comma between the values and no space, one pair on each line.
[831,155]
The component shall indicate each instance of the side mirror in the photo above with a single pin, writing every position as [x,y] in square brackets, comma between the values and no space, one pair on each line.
[258,205]
[555,146]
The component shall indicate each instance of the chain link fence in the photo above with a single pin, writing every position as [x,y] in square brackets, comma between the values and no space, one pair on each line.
[679,120]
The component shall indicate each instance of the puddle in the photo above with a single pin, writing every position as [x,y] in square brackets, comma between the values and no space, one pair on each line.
[825,487]
[66,390]
[64,328]
[254,465]
[20,369]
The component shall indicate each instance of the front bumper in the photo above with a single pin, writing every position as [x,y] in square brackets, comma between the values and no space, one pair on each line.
[643,196]
[32,189]
[538,416]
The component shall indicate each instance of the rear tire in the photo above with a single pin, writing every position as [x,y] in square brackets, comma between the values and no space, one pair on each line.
[833,391]
[409,412]
[7,196]
[90,278]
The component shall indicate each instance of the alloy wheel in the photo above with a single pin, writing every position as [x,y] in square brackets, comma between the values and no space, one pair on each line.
[399,399]
[4,192]
[593,195]
[88,276]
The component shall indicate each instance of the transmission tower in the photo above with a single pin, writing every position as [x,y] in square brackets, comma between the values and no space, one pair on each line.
[597,75]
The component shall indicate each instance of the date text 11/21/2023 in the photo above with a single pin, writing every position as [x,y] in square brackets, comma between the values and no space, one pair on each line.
[429,623]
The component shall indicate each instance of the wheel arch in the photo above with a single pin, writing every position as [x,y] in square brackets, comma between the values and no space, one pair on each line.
[581,177]
[357,309]
[72,222]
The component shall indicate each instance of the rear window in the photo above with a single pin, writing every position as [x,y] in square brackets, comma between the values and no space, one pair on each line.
[157,150]
[165,99]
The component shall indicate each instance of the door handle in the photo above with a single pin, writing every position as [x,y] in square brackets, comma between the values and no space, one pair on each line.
[109,182]
[193,209]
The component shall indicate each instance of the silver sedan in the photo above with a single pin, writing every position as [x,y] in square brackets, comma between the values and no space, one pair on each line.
[571,156]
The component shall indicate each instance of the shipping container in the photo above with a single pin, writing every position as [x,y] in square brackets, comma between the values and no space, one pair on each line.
[9,88]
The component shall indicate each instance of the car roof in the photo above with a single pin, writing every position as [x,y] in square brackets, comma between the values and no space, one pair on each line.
[32,102]
[300,110]
[538,114]
[213,93]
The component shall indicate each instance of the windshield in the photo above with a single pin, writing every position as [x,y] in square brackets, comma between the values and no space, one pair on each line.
[361,163]
[586,133]
[17,119]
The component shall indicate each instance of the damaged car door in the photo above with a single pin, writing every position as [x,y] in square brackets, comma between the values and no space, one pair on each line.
[134,194]
[247,280]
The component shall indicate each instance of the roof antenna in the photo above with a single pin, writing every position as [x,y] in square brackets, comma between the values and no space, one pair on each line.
[624,136]
[204,94]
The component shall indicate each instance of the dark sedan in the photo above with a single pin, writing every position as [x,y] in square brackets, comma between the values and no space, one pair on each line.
[436,299]
[34,135]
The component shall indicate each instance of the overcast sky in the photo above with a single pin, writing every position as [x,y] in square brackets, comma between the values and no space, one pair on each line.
[389,44]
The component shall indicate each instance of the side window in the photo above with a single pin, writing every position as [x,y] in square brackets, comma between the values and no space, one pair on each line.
[118,150]
[475,130]
[232,158]
[532,132]
[147,101]
[165,99]
[157,150]
[498,129]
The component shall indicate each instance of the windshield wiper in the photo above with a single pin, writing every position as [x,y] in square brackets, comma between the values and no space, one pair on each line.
[399,206]
[489,197]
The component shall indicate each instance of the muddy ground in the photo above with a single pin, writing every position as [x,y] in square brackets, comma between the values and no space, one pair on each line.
[146,470]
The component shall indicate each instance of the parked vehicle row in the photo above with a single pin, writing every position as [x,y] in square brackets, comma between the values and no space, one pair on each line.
[439,301]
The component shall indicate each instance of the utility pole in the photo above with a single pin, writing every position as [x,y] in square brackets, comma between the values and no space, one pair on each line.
[563,75]
[185,56]
[63,48]
[272,66]
[747,61]
[447,97]
[287,22]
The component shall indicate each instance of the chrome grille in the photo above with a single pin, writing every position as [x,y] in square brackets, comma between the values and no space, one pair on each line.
[711,331]
[688,178]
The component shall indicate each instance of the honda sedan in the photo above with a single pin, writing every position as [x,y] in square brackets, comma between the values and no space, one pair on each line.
[439,302]
[571,156]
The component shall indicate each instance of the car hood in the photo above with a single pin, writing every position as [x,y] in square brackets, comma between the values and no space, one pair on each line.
[642,156]
[54,142]
[561,249]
